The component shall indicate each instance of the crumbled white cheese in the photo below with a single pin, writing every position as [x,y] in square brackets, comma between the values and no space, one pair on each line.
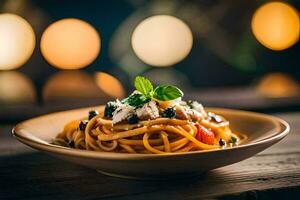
[194,114]
[181,112]
[122,112]
[148,111]
[199,109]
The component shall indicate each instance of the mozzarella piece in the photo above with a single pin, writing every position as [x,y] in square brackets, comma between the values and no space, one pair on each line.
[148,111]
[199,109]
[122,113]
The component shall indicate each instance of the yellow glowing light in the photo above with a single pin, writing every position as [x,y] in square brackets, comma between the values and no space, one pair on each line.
[70,44]
[162,40]
[68,85]
[276,25]
[278,85]
[17,41]
[110,85]
[16,88]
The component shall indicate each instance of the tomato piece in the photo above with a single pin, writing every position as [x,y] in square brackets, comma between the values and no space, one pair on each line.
[205,135]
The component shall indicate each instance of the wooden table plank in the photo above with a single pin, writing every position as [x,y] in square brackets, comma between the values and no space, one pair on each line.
[26,173]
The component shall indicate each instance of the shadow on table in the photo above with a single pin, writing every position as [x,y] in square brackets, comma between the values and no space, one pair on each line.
[39,176]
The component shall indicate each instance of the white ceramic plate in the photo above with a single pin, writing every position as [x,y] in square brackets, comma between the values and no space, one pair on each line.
[262,131]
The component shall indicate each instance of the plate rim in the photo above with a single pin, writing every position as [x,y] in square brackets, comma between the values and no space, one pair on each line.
[51,148]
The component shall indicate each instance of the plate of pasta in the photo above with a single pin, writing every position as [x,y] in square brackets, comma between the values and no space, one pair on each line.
[153,133]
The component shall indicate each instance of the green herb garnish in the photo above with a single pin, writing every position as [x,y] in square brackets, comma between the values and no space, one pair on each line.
[233,140]
[147,92]
[136,100]
[144,86]
[167,92]
[161,92]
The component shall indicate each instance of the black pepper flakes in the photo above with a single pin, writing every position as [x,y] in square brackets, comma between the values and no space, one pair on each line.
[72,144]
[133,119]
[169,112]
[222,142]
[110,107]
[92,114]
[82,125]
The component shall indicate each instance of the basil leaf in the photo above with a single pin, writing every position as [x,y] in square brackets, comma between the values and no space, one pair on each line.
[167,92]
[233,140]
[136,100]
[144,86]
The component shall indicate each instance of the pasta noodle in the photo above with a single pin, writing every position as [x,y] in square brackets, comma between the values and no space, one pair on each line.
[135,125]
[145,137]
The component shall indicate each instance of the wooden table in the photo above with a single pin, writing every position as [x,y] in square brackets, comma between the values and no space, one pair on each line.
[28,174]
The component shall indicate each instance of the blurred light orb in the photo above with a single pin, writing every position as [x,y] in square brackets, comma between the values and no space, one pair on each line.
[70,85]
[110,85]
[15,88]
[70,44]
[17,41]
[278,85]
[162,40]
[276,25]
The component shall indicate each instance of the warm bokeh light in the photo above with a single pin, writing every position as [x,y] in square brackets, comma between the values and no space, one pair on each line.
[276,25]
[110,85]
[17,41]
[162,40]
[70,44]
[277,85]
[15,87]
[70,85]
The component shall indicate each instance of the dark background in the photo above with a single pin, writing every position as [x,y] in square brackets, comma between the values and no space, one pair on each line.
[223,69]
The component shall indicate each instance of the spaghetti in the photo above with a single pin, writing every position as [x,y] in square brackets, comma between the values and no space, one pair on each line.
[143,124]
